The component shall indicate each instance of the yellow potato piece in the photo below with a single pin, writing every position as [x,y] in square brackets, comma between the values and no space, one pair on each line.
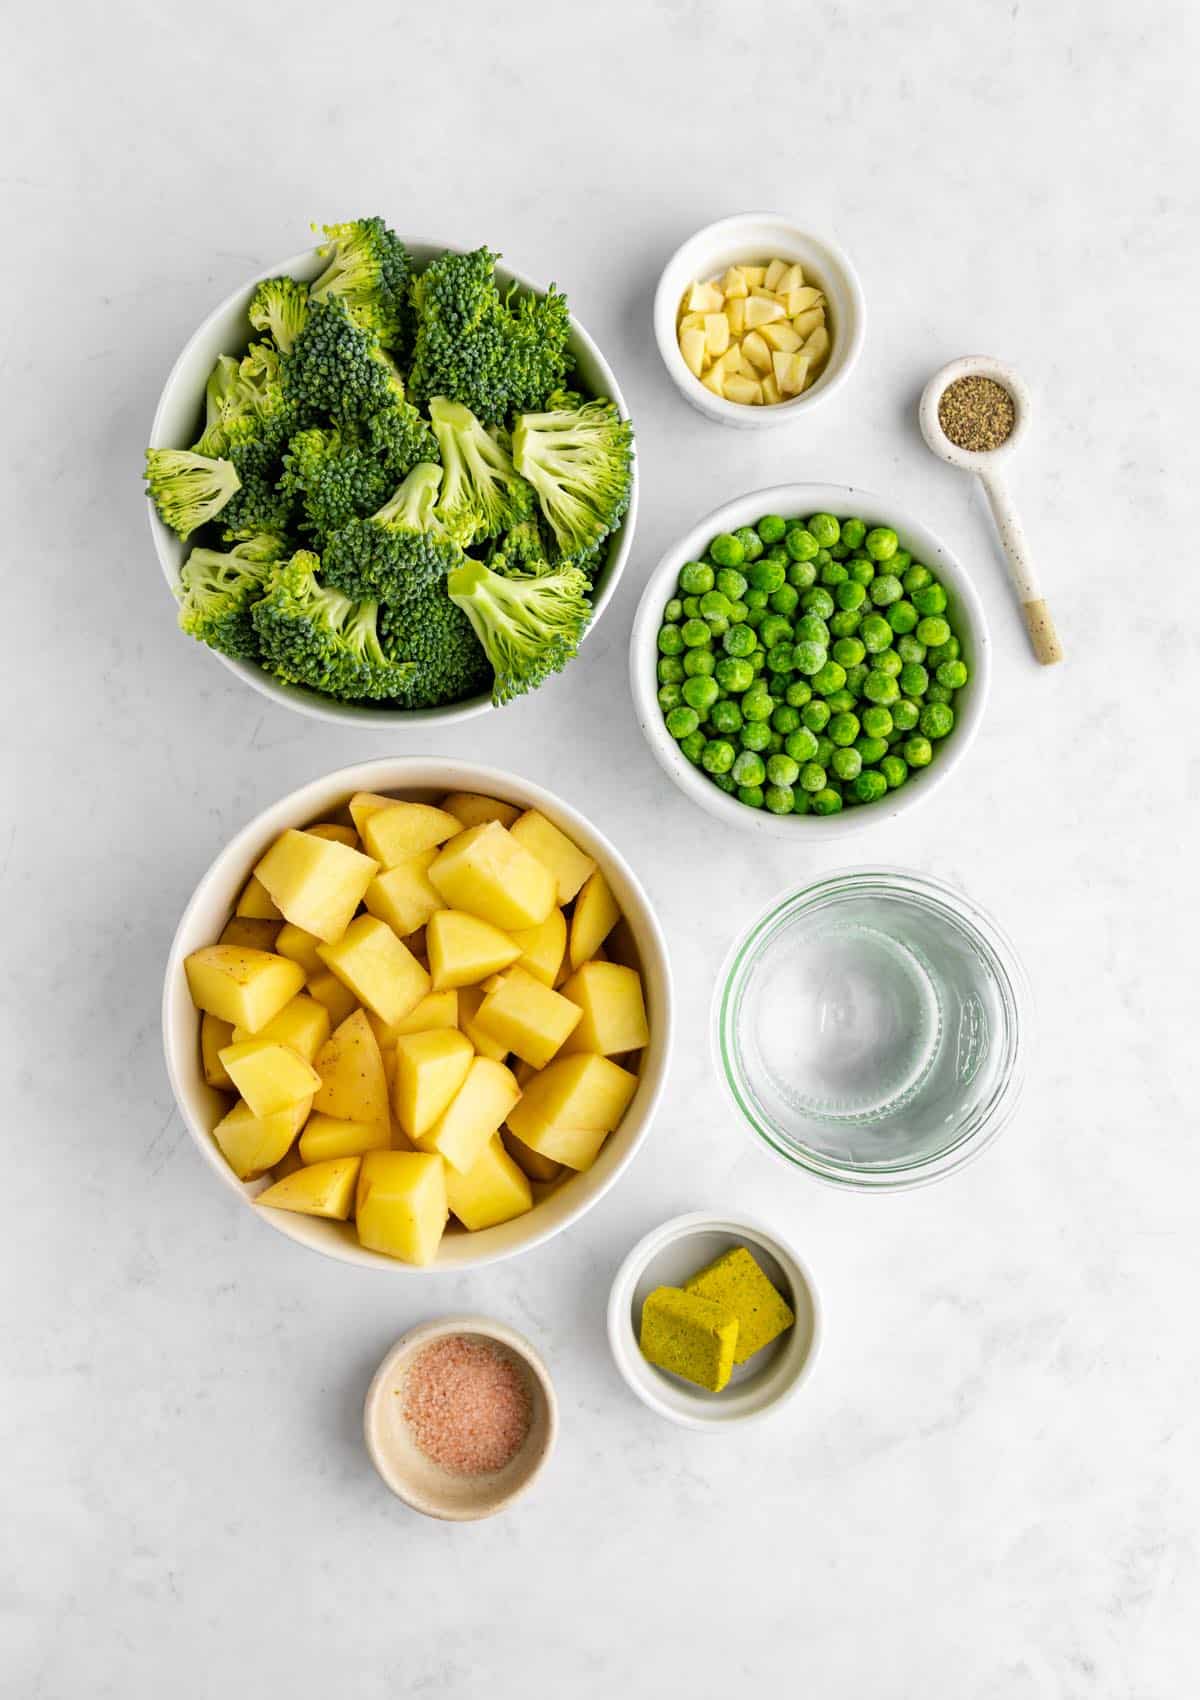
[770,389]
[437,1009]
[393,834]
[762,311]
[774,274]
[735,312]
[537,1167]
[378,967]
[325,1137]
[215,1034]
[252,1144]
[486,872]
[816,346]
[353,1084]
[322,1189]
[571,1147]
[244,987]
[493,1190]
[472,808]
[317,884]
[688,322]
[364,804]
[613,1010]
[704,298]
[334,830]
[463,950]
[755,349]
[270,1077]
[254,934]
[299,946]
[482,1103]
[791,373]
[527,1017]
[543,948]
[255,903]
[714,378]
[566,861]
[430,1068]
[804,324]
[748,391]
[755,276]
[402,895]
[734,285]
[792,278]
[780,337]
[469,1000]
[593,918]
[400,1205]
[716,333]
[800,300]
[338,1000]
[576,1091]
[693,345]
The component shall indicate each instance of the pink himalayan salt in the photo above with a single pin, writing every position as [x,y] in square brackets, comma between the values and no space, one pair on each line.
[466,1404]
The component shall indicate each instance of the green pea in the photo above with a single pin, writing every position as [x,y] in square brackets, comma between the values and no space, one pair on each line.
[886,588]
[751,542]
[825,749]
[875,633]
[853,532]
[910,648]
[784,600]
[692,746]
[817,601]
[850,595]
[842,702]
[901,560]
[673,612]
[930,599]
[834,574]
[682,721]
[802,803]
[718,756]
[914,680]
[766,575]
[871,749]
[839,551]
[846,763]
[700,693]
[895,770]
[730,582]
[691,607]
[828,678]
[933,630]
[714,602]
[694,633]
[669,697]
[904,716]
[771,527]
[727,551]
[827,801]
[877,721]
[880,687]
[756,601]
[861,570]
[717,624]
[699,663]
[749,769]
[774,743]
[751,795]
[811,628]
[737,611]
[887,661]
[758,662]
[779,658]
[798,693]
[755,735]
[723,782]
[902,616]
[939,693]
[844,623]
[670,640]
[855,676]
[782,770]
[948,651]
[695,577]
[779,799]
[785,719]
[849,651]
[812,776]
[809,658]
[917,577]
[952,674]
[918,752]
[802,575]
[825,529]
[800,543]
[801,745]
[937,719]
[775,629]
[740,640]
[815,715]
[870,786]
[758,705]
[725,716]
[734,673]
[843,728]
[670,670]
[881,543]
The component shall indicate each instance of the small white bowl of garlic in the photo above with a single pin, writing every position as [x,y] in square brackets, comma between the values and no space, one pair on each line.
[758,320]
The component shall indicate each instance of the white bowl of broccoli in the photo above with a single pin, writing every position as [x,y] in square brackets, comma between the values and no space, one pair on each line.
[390,482]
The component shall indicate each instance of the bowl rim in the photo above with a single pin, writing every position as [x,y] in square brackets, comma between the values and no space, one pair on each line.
[302,804]
[735,413]
[296,697]
[804,497]
[423,1333]
[623,1343]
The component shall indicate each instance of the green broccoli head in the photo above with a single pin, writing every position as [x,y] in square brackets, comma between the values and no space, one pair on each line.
[279,309]
[336,477]
[312,635]
[369,269]
[578,456]
[521,551]
[481,492]
[189,489]
[529,627]
[426,628]
[218,589]
[496,354]
[400,547]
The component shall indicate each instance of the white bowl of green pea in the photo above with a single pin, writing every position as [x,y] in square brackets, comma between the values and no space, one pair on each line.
[809,659]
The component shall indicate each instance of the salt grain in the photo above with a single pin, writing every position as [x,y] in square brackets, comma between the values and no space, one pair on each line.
[467,1405]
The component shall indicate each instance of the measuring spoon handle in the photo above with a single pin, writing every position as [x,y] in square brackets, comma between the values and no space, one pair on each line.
[1038,622]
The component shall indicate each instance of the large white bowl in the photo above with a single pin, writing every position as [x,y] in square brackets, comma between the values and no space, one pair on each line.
[211,905]
[177,424]
[963,607]
[750,238]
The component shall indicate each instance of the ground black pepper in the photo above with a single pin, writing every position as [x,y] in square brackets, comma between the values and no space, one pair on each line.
[976,413]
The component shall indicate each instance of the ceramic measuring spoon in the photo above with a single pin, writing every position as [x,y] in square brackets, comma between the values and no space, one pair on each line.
[988,464]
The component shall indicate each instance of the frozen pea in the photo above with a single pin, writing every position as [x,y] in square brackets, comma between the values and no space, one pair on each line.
[853,533]
[670,640]
[849,651]
[723,782]
[734,673]
[737,611]
[774,743]
[887,661]
[916,577]
[914,680]
[740,640]
[952,674]
[902,616]
[785,599]
[809,658]
[748,768]
[811,628]
[930,599]
[801,745]
[880,687]
[755,735]
[881,543]
[842,702]
[766,575]
[839,551]
[871,749]
[861,570]
[800,543]
[843,728]
[937,719]
[833,575]
[669,697]
[933,630]
[877,721]
[825,528]
[699,663]
[855,676]
[725,717]
[691,607]
[670,670]
[673,612]
[846,763]
[948,651]
[751,542]
[918,751]
[886,588]
[825,749]
[910,648]
[729,581]
[700,693]
[771,527]
[870,786]
[875,633]
[828,678]
[756,601]
[785,719]
[939,693]
[827,801]
[798,693]
[776,628]
[751,795]
[694,633]
[714,602]
[844,623]
[695,577]
[779,799]
[815,715]
[817,601]
[782,770]
[717,756]
[693,746]
[779,658]
[758,705]
[812,776]
[802,575]
[895,770]
[727,551]
[850,595]
[904,715]
[682,721]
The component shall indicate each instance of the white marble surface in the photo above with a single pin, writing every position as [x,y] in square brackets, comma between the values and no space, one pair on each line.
[990,1489]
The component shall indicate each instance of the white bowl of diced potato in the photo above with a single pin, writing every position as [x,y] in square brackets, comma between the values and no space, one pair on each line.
[758,320]
[417,1015]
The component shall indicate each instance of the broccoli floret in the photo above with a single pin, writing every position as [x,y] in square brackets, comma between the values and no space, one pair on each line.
[396,549]
[189,489]
[279,309]
[337,478]
[247,419]
[312,635]
[496,354]
[578,457]
[481,493]
[521,551]
[369,269]
[426,628]
[218,589]
[529,627]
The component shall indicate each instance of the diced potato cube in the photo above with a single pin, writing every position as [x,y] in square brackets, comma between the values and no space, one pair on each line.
[493,1190]
[288,1163]
[392,835]
[734,285]
[325,1138]
[735,312]
[482,1102]
[334,830]
[791,371]
[775,273]
[252,1144]
[215,1034]
[322,1189]
[804,324]
[437,1009]
[255,903]
[614,1010]
[469,1000]
[573,1147]
[299,946]
[537,1167]
[576,1091]
[338,1000]
[270,1077]
[402,895]
[543,948]
[317,884]
[781,336]
[816,346]
[748,391]
[689,322]
[566,861]
[693,345]
[353,1085]
[801,300]
[254,934]
[470,808]
[704,298]
[761,311]
[527,1017]
[400,1207]
[378,967]
[792,278]
[244,987]
[593,918]
[716,333]
[770,389]
[364,804]
[463,950]
[714,378]
[488,873]
[430,1068]
[755,276]
[303,1024]
[756,351]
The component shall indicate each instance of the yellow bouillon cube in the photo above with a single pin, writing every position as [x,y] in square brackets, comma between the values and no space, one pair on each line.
[320,1189]
[401,1205]
[242,986]
[492,1191]
[486,872]
[378,967]
[527,1017]
[316,883]
[270,1076]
